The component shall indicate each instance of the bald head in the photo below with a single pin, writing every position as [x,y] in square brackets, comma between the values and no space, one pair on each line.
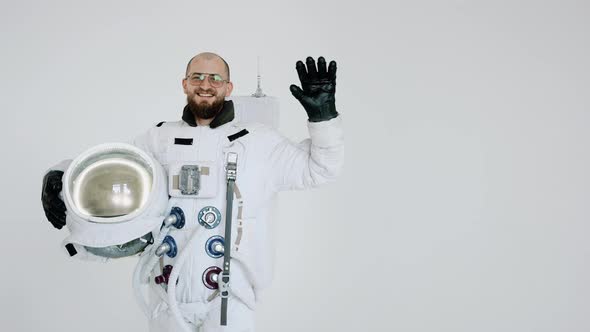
[209,56]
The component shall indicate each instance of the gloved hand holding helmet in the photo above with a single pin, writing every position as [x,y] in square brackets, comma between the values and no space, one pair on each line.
[319,89]
[115,195]
[53,205]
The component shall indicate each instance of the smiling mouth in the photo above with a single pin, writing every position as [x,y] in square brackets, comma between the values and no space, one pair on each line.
[205,94]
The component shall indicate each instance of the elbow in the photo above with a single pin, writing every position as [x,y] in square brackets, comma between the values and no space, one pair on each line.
[327,171]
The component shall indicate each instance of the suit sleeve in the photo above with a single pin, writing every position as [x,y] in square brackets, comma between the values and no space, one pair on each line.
[146,142]
[312,162]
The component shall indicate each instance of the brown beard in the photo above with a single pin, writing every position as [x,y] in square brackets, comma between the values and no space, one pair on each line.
[204,110]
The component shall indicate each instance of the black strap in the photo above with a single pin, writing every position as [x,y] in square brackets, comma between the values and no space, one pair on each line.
[160,124]
[71,249]
[237,135]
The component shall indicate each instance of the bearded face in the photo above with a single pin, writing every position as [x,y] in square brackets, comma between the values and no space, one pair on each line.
[204,99]
[205,103]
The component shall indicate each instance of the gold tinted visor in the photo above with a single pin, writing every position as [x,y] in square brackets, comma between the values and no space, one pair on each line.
[111,184]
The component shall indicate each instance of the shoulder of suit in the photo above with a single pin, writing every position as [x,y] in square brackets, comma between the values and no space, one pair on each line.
[165,124]
[246,130]
[252,127]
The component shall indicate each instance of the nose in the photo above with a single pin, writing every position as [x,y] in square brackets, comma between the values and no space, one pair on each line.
[206,83]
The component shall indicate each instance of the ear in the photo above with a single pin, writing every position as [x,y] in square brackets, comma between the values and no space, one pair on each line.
[229,89]
[185,86]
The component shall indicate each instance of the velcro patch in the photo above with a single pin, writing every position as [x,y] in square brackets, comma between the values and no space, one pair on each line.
[183,141]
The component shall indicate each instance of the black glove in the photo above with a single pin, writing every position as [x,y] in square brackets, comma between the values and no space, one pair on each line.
[55,209]
[319,87]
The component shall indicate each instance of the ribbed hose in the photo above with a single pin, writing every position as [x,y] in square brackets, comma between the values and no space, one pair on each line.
[144,267]
[172,302]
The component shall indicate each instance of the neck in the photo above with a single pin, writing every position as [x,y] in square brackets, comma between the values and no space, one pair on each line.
[203,122]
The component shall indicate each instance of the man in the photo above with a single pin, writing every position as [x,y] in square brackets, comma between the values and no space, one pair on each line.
[267,163]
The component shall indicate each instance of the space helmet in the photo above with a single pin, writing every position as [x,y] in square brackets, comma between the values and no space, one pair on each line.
[116,196]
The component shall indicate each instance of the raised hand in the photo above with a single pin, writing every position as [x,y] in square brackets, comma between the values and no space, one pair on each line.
[318,89]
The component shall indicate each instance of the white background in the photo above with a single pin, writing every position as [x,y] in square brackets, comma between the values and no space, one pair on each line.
[464,201]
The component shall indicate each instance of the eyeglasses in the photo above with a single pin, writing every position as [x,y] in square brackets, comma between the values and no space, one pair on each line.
[197,79]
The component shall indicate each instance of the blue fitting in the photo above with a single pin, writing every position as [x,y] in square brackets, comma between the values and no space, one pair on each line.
[210,246]
[179,214]
[173,249]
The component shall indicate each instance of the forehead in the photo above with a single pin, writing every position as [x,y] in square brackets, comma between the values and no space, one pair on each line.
[207,65]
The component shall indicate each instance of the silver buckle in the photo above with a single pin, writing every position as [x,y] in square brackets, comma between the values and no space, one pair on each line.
[223,285]
[232,166]
[189,181]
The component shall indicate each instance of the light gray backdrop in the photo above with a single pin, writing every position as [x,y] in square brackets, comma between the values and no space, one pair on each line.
[464,201]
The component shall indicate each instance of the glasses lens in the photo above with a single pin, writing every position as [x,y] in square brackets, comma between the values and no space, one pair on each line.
[197,79]
[215,80]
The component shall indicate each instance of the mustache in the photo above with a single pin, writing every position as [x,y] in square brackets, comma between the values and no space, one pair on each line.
[210,91]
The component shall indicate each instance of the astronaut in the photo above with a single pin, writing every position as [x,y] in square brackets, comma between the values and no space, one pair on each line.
[222,176]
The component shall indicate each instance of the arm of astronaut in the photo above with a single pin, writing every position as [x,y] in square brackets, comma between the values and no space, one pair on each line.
[61,166]
[146,141]
[312,162]
[318,159]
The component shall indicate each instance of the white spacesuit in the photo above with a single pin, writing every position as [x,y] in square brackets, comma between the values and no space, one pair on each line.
[266,163]
[195,200]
